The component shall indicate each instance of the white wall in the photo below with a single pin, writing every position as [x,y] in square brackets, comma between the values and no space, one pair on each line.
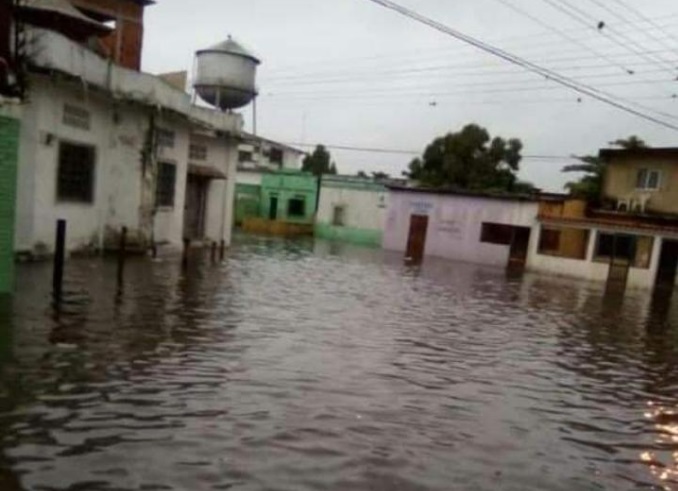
[118,145]
[168,226]
[221,155]
[588,269]
[248,177]
[455,224]
[363,208]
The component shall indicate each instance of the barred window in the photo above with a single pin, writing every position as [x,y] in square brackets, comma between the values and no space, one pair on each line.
[75,175]
[76,117]
[245,156]
[197,152]
[167,177]
[165,138]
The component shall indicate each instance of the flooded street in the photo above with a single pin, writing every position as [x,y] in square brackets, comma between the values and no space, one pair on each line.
[310,366]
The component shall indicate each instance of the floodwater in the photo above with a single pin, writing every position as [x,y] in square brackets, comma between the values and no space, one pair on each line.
[296,365]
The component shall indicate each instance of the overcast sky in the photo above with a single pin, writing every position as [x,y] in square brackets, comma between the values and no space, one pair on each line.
[349,72]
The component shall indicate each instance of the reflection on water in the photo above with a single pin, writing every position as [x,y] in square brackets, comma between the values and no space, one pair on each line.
[301,365]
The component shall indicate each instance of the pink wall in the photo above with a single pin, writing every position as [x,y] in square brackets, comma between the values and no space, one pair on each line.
[455,224]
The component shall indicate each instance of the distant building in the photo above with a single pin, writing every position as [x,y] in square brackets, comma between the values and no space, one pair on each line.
[287,204]
[631,239]
[257,157]
[463,226]
[351,209]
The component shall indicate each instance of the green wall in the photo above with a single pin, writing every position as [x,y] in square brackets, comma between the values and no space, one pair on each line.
[287,185]
[348,234]
[9,145]
[247,201]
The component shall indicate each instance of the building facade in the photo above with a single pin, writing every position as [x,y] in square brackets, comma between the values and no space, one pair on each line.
[104,147]
[476,228]
[629,239]
[351,209]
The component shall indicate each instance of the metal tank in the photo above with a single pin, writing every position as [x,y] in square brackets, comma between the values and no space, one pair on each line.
[226,75]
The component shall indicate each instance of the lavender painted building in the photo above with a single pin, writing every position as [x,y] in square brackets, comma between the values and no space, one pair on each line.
[479,228]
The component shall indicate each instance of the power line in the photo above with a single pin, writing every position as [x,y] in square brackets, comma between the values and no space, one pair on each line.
[355,148]
[582,17]
[524,63]
[647,32]
[646,19]
[562,34]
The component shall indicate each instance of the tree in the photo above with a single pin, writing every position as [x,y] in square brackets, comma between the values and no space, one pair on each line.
[470,159]
[633,142]
[380,176]
[590,185]
[319,162]
[362,174]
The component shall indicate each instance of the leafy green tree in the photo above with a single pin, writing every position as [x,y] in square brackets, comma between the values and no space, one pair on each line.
[471,160]
[590,185]
[363,174]
[319,162]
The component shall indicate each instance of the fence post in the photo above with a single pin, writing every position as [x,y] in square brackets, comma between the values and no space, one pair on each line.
[122,253]
[59,256]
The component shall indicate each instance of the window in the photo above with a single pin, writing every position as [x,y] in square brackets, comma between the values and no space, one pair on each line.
[296,207]
[245,156]
[637,249]
[496,233]
[76,117]
[275,156]
[165,138]
[197,152]
[338,216]
[164,191]
[571,243]
[648,179]
[75,176]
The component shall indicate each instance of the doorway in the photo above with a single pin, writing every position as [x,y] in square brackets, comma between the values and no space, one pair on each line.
[416,240]
[668,265]
[195,206]
[622,255]
[520,243]
[273,208]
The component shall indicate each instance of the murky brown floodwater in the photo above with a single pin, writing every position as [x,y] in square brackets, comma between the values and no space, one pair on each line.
[295,366]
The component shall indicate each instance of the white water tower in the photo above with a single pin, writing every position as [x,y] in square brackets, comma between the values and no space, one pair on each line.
[226,75]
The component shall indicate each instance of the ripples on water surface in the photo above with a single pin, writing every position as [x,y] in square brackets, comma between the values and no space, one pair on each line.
[302,366]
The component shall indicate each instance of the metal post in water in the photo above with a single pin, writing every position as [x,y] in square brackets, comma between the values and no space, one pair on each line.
[122,252]
[187,245]
[59,256]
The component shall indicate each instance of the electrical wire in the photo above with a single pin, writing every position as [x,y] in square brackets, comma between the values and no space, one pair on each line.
[562,80]
[648,20]
[583,17]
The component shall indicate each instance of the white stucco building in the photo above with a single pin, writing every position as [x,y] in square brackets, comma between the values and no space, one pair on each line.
[104,147]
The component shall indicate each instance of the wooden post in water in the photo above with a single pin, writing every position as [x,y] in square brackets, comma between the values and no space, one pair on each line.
[213,252]
[222,249]
[59,256]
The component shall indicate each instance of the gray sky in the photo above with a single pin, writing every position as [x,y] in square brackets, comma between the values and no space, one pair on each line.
[349,72]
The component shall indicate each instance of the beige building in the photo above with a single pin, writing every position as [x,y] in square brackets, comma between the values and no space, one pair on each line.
[643,180]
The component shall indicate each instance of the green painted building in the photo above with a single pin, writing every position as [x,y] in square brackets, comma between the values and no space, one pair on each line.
[9,145]
[289,196]
[247,202]
[351,209]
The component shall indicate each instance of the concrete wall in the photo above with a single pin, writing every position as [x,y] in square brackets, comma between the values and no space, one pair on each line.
[116,132]
[222,155]
[364,212]
[621,175]
[9,149]
[455,224]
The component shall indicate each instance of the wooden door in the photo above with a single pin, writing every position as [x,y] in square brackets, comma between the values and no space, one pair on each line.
[194,209]
[519,248]
[416,241]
